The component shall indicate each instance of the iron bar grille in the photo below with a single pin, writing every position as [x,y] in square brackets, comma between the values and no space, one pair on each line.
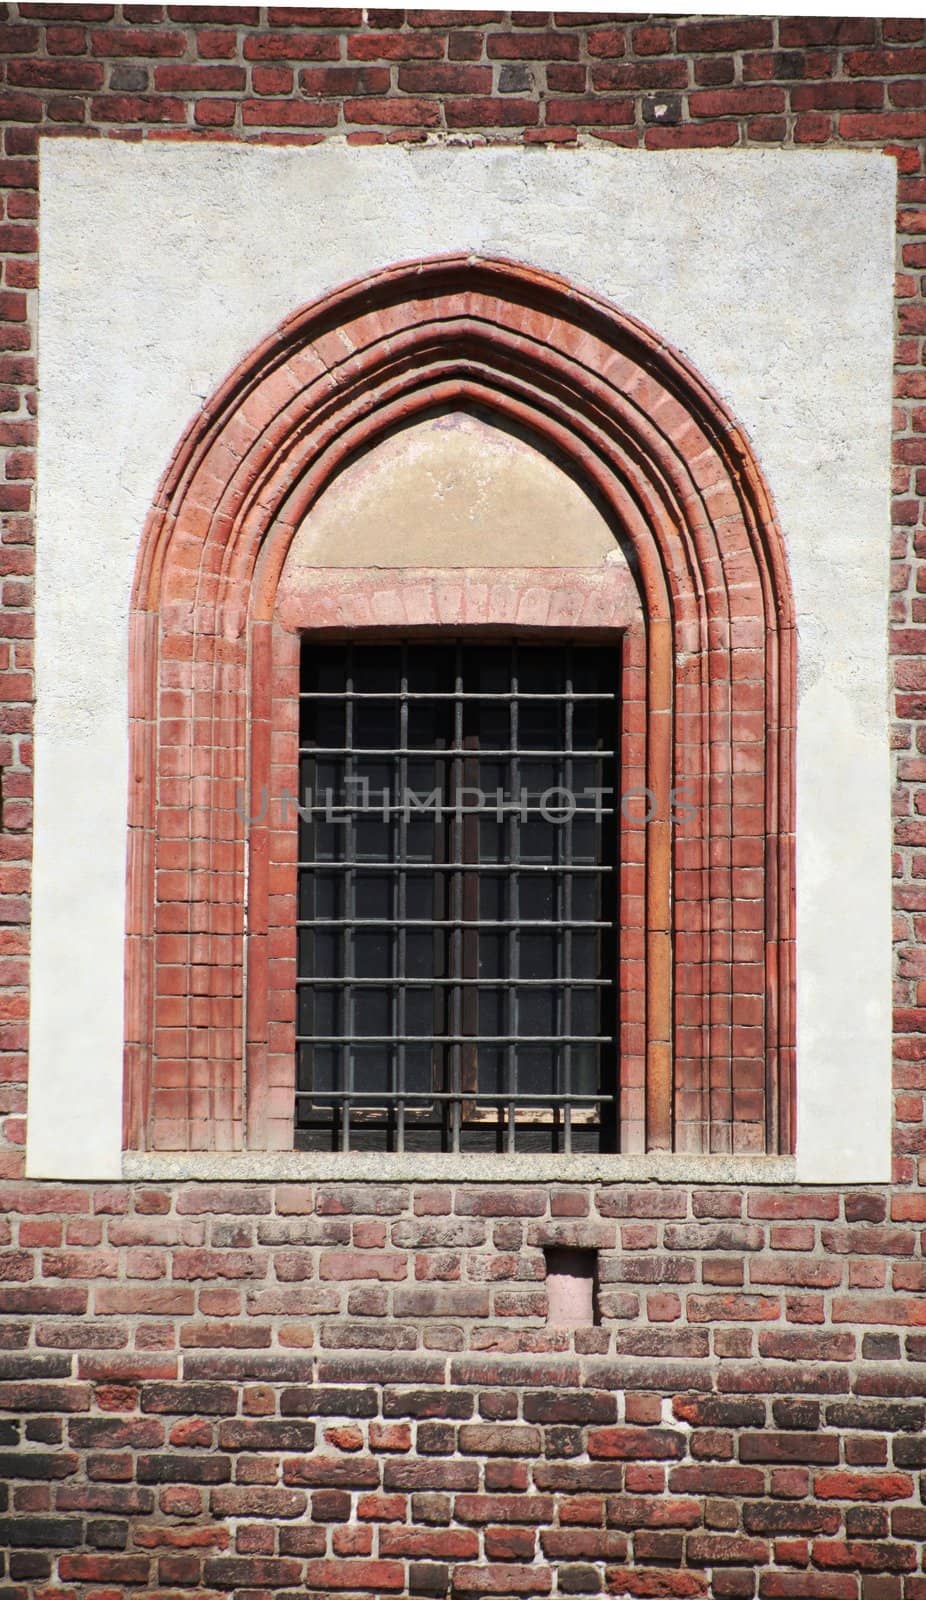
[457,897]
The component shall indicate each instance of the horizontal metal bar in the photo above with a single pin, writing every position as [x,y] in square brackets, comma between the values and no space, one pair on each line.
[484,753]
[383,1098]
[453,1038]
[450,922]
[448,695]
[473,983]
[506,808]
[453,866]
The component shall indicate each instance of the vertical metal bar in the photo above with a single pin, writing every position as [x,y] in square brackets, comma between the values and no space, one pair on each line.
[610,837]
[346,1062]
[401,963]
[513,908]
[469,1061]
[307,881]
[456,941]
[441,900]
[565,911]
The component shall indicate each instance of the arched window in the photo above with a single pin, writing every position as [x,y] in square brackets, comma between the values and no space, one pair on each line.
[688,608]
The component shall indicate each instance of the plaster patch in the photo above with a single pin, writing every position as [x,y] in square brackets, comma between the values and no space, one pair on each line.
[453,491]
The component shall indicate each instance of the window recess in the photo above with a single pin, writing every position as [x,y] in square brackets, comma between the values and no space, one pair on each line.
[457,897]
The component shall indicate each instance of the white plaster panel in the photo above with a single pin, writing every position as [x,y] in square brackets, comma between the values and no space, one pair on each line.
[162,265]
[78,948]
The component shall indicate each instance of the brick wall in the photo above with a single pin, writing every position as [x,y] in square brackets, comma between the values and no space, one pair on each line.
[356,1389]
[186,72]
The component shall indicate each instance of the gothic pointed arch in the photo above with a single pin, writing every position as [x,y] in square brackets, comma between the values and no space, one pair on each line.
[707,1024]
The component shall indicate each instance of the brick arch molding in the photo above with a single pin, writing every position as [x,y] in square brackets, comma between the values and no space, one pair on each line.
[707,1031]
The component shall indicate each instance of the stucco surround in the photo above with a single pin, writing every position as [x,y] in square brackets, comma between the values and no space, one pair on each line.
[771,271]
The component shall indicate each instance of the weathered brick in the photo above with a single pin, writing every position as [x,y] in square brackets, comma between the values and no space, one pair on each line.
[635,1444]
[183,1399]
[258,1433]
[53,1397]
[863,1486]
[180,1468]
[328,1472]
[40,1532]
[328,1402]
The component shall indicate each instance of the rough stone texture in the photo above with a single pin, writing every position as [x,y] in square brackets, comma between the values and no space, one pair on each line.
[367,1165]
[748,1418]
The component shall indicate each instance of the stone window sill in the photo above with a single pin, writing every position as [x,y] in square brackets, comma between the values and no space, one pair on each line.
[290,1166]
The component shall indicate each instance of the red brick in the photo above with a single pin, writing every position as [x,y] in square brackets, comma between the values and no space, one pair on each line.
[745,33]
[532,47]
[859,96]
[216,43]
[274,80]
[735,102]
[287,114]
[79,75]
[704,136]
[656,1582]
[137,108]
[491,113]
[437,1544]
[143,42]
[445,78]
[589,111]
[214,113]
[314,17]
[394,47]
[387,1576]
[394,112]
[883,125]
[650,40]
[341,80]
[797,32]
[464,46]
[503,1580]
[885,63]
[19,40]
[105,1569]
[863,1486]
[454,18]
[68,41]
[609,41]
[632,77]
[286,46]
[183,79]
[635,1444]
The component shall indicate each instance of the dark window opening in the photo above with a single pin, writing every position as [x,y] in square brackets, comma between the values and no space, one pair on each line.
[457,897]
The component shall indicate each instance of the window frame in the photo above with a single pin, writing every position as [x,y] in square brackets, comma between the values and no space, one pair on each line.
[644,431]
[480,1112]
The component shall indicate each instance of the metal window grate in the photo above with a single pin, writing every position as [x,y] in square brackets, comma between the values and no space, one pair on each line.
[457,897]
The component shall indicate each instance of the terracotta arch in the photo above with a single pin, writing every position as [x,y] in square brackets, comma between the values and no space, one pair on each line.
[708,907]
